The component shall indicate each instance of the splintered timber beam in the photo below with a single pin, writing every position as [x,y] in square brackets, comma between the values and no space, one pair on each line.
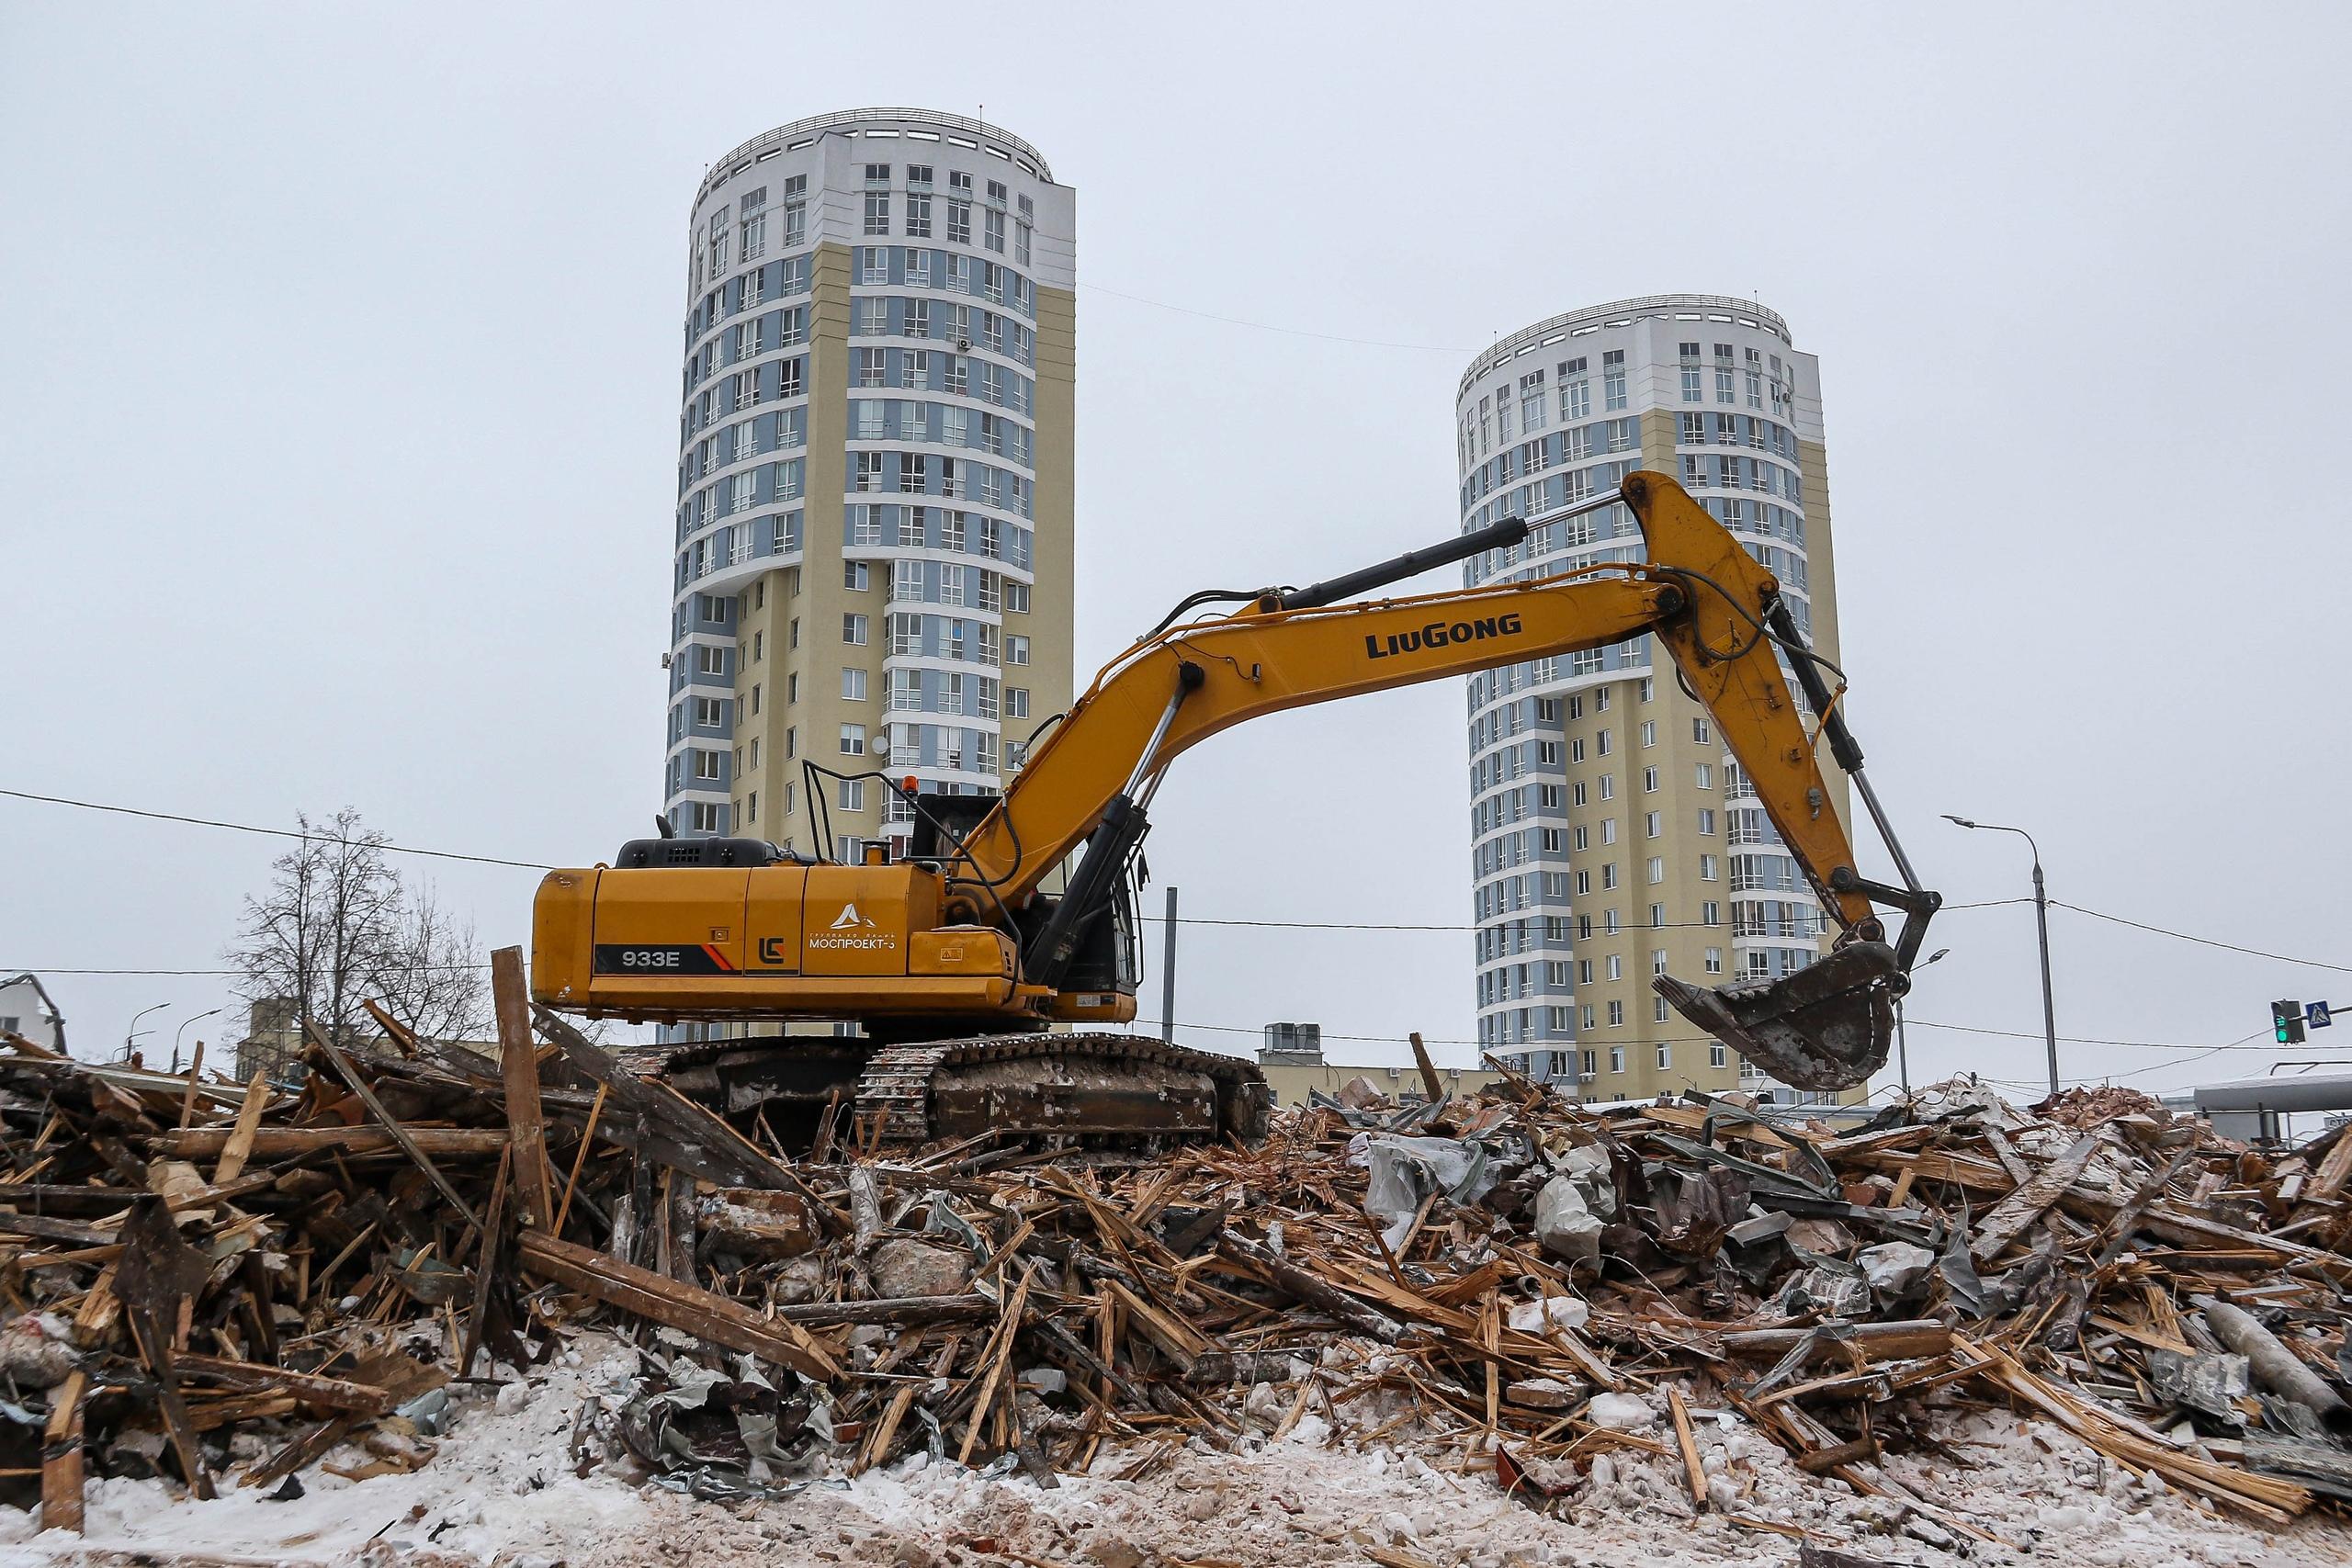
[688,1308]
[691,1139]
[1901,1340]
[290,1143]
[409,1147]
[60,1458]
[518,1064]
[252,1377]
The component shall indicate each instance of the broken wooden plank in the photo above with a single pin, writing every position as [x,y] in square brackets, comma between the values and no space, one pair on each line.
[60,1456]
[697,1141]
[902,1312]
[1897,1341]
[239,1146]
[302,1452]
[518,1065]
[47,1229]
[1429,1085]
[2022,1207]
[1309,1288]
[688,1308]
[486,1266]
[1695,1473]
[350,1075]
[293,1143]
[252,1377]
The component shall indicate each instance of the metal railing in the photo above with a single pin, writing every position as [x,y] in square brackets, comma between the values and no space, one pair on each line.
[815,124]
[1622,309]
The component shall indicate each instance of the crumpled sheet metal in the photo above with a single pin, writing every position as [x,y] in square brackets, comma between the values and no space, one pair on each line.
[1402,1171]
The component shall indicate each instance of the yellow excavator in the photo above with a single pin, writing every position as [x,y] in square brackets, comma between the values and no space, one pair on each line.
[954,960]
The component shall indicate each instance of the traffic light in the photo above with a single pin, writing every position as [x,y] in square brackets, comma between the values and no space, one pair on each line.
[2287,1022]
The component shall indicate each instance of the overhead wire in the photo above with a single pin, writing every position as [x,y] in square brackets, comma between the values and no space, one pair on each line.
[384,844]
[2204,941]
[391,848]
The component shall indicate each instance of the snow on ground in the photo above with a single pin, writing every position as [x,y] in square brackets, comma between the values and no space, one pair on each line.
[501,1490]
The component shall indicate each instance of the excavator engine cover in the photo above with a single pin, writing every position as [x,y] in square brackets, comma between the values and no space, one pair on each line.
[1825,1027]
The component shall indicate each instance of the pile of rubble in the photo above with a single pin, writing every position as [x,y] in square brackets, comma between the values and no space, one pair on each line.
[206,1282]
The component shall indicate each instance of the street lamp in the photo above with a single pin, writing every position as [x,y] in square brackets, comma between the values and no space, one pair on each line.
[199,1018]
[134,1030]
[1901,1040]
[2042,926]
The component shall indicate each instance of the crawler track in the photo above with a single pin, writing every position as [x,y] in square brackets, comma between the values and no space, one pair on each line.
[1106,1090]
[1110,1086]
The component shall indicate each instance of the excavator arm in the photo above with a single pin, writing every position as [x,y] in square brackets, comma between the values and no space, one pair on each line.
[1715,611]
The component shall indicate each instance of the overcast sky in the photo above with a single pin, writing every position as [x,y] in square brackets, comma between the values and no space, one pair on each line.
[338,354]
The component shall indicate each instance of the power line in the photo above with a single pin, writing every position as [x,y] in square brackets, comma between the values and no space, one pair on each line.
[390,848]
[403,969]
[2066,1039]
[386,845]
[2205,941]
[1405,926]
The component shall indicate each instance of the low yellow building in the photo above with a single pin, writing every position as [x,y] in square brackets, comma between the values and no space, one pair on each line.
[1291,1082]
[1292,1059]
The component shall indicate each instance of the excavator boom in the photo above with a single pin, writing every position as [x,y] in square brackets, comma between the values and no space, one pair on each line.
[962,936]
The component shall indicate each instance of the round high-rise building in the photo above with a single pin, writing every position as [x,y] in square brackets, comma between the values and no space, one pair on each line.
[873,533]
[1612,837]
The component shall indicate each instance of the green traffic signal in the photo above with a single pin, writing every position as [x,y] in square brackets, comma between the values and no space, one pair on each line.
[2287,1022]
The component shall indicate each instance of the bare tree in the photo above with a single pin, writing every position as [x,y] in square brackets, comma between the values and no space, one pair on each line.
[432,976]
[324,930]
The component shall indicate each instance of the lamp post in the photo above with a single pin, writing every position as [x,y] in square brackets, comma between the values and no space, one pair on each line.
[199,1018]
[1902,1041]
[2042,927]
[133,1033]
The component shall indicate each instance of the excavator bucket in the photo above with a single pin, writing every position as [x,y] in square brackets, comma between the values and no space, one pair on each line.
[1825,1027]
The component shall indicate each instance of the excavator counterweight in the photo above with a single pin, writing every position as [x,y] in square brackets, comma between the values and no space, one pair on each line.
[954,958]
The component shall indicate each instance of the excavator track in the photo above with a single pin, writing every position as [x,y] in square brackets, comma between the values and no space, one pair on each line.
[1117,1087]
[1102,1088]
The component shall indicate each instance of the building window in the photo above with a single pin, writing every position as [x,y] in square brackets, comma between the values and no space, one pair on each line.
[704,817]
[1700,732]
[1665,1051]
[1715,963]
[854,630]
[853,685]
[856,576]
[1657,870]
[878,212]
[1016,650]
[1616,1053]
[1711,914]
[1652,823]
[1718,1055]
[852,794]
[1708,871]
